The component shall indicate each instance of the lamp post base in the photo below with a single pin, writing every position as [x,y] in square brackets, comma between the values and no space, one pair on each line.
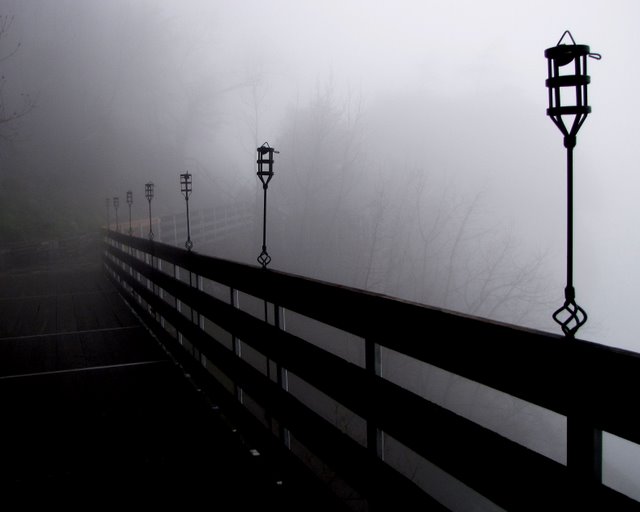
[570,316]
[264,259]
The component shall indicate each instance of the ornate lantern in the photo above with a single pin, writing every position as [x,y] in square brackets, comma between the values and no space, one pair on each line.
[186,188]
[130,202]
[148,193]
[567,84]
[265,173]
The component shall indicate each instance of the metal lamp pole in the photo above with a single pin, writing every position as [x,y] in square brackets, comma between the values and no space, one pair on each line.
[568,99]
[567,83]
[148,193]
[186,188]
[265,157]
[265,173]
[130,202]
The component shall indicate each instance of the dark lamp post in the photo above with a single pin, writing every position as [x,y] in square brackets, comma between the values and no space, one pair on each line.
[186,188]
[116,203]
[148,193]
[130,202]
[265,173]
[567,83]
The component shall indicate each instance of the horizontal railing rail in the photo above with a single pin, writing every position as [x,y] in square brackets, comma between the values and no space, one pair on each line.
[590,384]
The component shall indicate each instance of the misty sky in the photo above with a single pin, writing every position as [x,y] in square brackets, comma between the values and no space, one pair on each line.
[458,83]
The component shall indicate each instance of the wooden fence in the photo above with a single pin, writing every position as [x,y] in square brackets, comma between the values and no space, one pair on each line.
[226,322]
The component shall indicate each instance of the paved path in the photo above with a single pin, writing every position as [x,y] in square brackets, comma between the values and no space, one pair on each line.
[93,412]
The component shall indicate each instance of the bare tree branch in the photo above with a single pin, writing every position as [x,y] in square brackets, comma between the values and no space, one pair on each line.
[8,116]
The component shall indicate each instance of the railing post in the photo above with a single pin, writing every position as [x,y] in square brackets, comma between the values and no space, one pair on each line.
[278,321]
[283,376]
[194,316]
[176,276]
[160,291]
[584,449]
[584,440]
[375,438]
[236,346]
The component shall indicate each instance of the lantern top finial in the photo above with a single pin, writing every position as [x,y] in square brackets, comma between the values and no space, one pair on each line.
[563,53]
[266,149]
[566,32]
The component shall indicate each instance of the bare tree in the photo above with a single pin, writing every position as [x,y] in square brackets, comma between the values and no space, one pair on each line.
[321,151]
[438,250]
[10,111]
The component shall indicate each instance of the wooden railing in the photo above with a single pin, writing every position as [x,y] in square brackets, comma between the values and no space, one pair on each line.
[208,225]
[257,370]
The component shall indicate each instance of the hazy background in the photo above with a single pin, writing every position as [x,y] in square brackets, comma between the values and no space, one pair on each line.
[416,156]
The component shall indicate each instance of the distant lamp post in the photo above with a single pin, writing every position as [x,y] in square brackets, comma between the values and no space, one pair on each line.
[130,202]
[107,202]
[148,193]
[185,188]
[567,87]
[116,203]
[265,159]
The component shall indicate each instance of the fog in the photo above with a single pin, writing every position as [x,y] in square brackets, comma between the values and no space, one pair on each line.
[405,120]
[416,158]
[406,125]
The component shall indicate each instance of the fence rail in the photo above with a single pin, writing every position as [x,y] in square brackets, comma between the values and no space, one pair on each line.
[208,225]
[593,386]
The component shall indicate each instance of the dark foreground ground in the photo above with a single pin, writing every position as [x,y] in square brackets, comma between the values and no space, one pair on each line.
[93,412]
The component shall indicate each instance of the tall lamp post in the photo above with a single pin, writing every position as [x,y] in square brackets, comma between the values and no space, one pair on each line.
[107,202]
[148,193]
[116,203]
[265,158]
[130,202]
[185,188]
[567,88]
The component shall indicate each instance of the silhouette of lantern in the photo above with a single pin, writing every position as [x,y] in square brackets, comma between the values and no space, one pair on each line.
[567,84]
[186,188]
[148,193]
[265,157]
[116,203]
[130,202]
[265,173]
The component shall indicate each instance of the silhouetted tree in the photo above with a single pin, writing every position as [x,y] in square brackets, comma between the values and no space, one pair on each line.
[11,108]
[321,157]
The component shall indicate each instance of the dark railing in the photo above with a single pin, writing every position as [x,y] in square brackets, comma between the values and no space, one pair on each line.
[190,301]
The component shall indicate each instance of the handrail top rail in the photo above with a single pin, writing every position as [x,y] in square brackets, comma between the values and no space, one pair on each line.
[546,369]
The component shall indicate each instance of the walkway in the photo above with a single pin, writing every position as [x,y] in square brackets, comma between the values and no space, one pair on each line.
[93,408]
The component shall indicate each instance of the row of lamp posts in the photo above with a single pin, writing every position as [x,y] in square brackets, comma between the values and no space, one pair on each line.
[148,194]
[567,83]
[116,203]
[567,99]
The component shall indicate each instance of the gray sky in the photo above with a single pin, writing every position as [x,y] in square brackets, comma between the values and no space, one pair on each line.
[129,91]
[491,52]
[482,61]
